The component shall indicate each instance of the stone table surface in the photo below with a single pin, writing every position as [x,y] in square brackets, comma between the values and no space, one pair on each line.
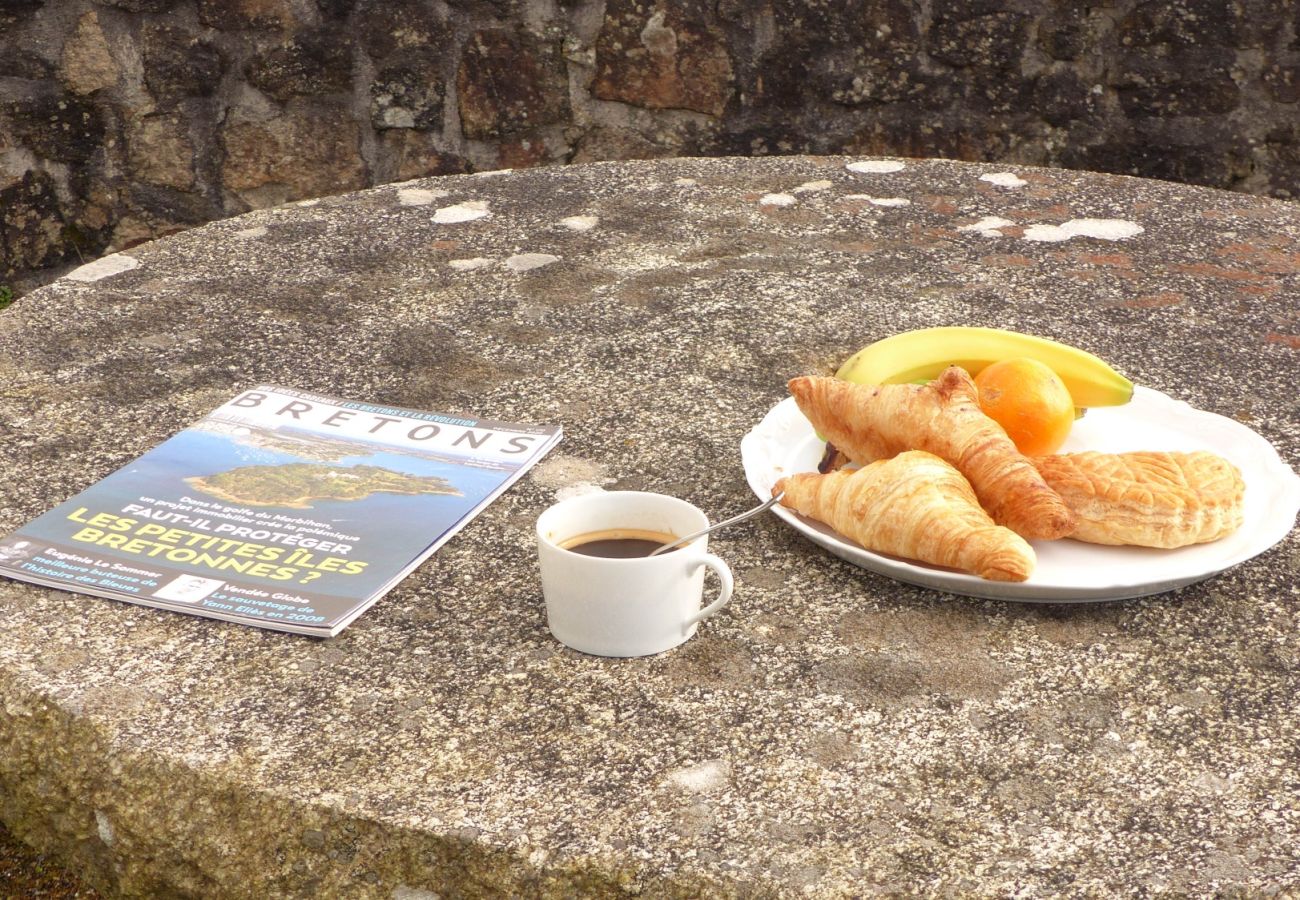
[833,732]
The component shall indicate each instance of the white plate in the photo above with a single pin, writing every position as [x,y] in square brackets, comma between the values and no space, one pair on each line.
[1070,571]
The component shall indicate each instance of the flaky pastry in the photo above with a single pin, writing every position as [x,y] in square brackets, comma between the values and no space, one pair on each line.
[1148,499]
[873,422]
[913,505]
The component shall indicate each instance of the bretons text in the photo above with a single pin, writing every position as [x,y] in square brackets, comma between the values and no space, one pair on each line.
[400,428]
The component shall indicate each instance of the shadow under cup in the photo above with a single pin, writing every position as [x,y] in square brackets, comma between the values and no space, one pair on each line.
[625,607]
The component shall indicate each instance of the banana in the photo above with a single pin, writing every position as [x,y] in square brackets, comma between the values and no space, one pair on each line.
[922,354]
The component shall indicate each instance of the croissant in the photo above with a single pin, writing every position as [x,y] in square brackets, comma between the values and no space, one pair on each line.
[871,422]
[1152,499]
[913,505]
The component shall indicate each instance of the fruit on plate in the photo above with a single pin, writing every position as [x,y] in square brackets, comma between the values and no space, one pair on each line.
[923,354]
[1029,401]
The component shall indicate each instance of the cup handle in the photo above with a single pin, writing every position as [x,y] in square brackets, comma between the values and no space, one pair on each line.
[724,573]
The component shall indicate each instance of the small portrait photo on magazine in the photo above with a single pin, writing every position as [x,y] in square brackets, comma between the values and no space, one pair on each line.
[16,552]
[188,588]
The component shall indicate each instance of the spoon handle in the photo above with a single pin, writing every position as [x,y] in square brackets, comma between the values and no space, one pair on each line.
[768,504]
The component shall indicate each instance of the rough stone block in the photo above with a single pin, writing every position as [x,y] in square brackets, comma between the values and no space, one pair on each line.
[310,151]
[1158,84]
[992,41]
[168,209]
[335,9]
[1183,23]
[56,126]
[407,154]
[314,61]
[779,80]
[407,91]
[1062,97]
[1263,23]
[668,57]
[1153,150]
[160,151]
[87,63]
[385,26]
[856,53]
[617,143]
[873,24]
[152,211]
[510,82]
[16,12]
[856,76]
[136,6]
[1066,33]
[237,15]
[178,63]
[1283,144]
[30,224]
[1283,82]
[25,64]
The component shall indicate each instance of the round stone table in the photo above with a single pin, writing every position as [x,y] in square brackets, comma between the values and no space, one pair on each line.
[833,732]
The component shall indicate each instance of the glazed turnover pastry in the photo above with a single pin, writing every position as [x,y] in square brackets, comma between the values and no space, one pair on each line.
[1153,499]
[872,422]
[913,505]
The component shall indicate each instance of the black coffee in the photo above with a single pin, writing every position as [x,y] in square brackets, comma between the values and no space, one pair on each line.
[620,548]
[619,543]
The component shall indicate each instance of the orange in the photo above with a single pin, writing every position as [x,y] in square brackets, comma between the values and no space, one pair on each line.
[1029,401]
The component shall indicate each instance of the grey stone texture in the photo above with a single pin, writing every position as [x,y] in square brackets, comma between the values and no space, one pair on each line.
[362,92]
[833,733]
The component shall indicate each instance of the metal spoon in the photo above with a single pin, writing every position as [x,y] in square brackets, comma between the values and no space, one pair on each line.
[733,520]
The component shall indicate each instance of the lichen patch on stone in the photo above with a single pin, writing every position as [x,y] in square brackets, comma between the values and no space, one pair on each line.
[469,265]
[1004,179]
[418,196]
[777,200]
[1105,229]
[1102,229]
[104,827]
[255,232]
[987,226]
[880,201]
[811,186]
[876,166]
[702,778]
[524,262]
[580,223]
[467,211]
[103,268]
[1047,234]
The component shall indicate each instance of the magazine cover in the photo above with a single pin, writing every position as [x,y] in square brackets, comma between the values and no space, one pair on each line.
[280,509]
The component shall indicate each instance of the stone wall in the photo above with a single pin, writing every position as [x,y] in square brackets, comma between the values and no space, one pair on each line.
[122,120]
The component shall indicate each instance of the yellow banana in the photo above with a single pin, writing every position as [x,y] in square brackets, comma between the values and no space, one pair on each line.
[922,354]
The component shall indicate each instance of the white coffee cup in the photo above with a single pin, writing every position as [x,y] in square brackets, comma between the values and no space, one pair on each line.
[625,607]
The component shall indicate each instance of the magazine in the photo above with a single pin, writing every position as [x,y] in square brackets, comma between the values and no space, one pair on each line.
[280,509]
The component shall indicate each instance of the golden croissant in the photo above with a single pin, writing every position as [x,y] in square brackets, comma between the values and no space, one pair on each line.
[1151,499]
[913,505]
[871,422]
